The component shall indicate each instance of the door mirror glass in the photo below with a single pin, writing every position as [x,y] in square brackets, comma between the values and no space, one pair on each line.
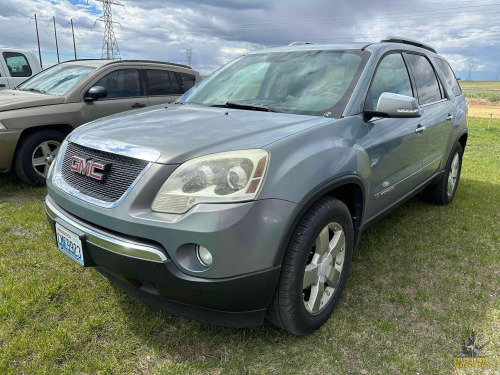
[395,105]
[95,93]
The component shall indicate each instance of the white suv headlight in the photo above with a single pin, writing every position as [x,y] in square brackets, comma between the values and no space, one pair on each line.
[233,176]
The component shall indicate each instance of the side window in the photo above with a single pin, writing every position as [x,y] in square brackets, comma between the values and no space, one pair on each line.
[449,75]
[159,82]
[122,83]
[391,76]
[173,81]
[17,64]
[425,79]
[186,80]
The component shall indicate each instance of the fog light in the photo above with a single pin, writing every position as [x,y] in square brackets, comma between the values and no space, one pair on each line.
[204,256]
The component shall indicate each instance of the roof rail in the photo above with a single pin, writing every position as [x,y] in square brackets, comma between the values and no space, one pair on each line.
[416,43]
[299,43]
[150,61]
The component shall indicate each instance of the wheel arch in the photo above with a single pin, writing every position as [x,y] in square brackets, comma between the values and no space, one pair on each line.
[348,189]
[64,128]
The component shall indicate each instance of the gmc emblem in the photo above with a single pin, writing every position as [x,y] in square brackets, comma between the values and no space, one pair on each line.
[90,168]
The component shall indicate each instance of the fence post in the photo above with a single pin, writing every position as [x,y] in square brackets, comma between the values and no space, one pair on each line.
[471,92]
[489,123]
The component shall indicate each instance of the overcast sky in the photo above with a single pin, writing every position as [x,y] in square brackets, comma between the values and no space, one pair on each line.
[218,30]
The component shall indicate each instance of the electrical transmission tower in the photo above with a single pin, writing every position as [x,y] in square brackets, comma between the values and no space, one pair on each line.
[189,54]
[110,48]
[471,66]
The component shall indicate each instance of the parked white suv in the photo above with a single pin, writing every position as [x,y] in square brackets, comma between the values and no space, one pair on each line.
[16,66]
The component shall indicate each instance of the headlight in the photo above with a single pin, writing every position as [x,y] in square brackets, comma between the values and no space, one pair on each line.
[233,176]
[2,126]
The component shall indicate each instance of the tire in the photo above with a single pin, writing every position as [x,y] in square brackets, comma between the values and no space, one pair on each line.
[440,193]
[291,308]
[31,151]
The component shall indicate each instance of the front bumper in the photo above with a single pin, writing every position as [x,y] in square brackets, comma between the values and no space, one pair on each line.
[8,143]
[146,271]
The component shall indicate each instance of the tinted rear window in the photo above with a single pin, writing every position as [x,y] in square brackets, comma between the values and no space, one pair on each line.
[187,81]
[449,76]
[159,82]
[425,79]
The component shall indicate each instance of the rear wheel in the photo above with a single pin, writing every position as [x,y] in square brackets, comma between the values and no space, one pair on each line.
[443,192]
[315,268]
[35,154]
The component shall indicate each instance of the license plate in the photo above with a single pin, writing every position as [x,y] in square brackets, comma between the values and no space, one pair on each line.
[70,244]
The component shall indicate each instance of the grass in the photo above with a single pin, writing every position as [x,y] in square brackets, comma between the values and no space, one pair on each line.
[422,280]
[479,84]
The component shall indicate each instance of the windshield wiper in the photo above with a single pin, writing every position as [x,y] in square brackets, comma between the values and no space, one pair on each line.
[32,89]
[250,106]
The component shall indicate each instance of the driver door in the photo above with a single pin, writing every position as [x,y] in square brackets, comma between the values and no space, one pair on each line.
[125,91]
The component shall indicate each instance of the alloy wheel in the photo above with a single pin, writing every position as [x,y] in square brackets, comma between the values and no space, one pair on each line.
[43,156]
[453,175]
[324,268]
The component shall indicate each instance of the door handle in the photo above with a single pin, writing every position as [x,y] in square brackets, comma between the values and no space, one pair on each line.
[2,84]
[420,129]
[138,105]
[449,117]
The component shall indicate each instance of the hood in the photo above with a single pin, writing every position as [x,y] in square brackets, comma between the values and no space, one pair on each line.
[181,132]
[17,99]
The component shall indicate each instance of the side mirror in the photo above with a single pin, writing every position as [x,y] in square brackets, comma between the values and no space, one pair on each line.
[95,93]
[395,105]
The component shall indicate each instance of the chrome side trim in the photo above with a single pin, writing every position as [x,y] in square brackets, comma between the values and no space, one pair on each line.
[393,186]
[115,245]
[116,147]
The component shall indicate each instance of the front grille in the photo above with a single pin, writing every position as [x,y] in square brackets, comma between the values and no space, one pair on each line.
[124,170]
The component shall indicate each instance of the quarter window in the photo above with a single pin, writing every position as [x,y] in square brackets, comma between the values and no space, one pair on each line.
[391,76]
[122,83]
[449,76]
[17,64]
[425,79]
[187,81]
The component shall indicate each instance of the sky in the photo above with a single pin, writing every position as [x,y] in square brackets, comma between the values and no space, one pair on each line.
[464,31]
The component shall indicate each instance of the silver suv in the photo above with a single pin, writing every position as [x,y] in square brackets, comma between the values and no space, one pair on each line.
[246,198]
[37,116]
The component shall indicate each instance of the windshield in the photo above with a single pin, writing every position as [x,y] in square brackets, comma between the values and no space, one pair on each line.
[57,80]
[307,82]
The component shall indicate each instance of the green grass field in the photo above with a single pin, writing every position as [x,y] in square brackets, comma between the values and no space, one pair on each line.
[422,280]
[480,84]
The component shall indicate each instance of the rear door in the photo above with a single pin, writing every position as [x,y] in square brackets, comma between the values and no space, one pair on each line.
[437,108]
[162,85]
[125,92]
[18,67]
[397,150]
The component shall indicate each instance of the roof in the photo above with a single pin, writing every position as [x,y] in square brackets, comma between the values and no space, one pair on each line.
[305,46]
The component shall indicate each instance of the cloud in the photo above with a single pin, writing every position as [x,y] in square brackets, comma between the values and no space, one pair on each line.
[217,31]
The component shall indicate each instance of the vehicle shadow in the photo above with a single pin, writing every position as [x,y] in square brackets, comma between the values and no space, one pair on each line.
[413,279]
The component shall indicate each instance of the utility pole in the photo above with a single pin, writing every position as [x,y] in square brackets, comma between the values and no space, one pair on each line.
[53,19]
[189,54]
[110,48]
[37,39]
[73,32]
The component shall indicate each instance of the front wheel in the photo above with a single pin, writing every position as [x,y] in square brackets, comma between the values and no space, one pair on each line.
[35,154]
[315,268]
